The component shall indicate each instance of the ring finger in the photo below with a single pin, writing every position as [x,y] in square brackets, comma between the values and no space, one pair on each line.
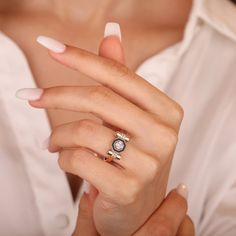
[98,138]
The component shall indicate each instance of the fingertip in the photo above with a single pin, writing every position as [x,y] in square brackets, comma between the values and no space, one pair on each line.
[182,190]
[112,48]
[112,29]
[51,44]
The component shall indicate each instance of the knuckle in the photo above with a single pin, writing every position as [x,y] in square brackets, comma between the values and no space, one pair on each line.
[171,139]
[75,158]
[62,159]
[60,162]
[152,169]
[178,112]
[129,194]
[168,138]
[81,129]
[85,127]
[99,94]
[120,70]
[70,159]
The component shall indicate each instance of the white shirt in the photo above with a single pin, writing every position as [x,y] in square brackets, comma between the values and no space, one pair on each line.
[198,72]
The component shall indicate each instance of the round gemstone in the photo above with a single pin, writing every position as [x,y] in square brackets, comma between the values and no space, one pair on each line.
[118,145]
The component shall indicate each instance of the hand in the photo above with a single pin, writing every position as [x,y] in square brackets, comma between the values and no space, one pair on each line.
[169,219]
[130,194]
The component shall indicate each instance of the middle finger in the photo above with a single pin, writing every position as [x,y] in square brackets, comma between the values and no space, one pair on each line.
[100,101]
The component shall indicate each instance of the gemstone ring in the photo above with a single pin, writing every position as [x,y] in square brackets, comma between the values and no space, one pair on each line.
[118,146]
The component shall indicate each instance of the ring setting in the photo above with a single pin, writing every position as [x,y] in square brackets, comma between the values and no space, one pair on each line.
[118,146]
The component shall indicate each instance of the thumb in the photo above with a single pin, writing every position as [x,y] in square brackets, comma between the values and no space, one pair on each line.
[85,224]
[110,46]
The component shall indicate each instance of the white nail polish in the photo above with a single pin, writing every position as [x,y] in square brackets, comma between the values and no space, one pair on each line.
[51,44]
[182,190]
[112,28]
[86,186]
[44,145]
[29,93]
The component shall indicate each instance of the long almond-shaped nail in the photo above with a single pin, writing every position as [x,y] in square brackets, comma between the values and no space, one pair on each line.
[182,190]
[32,94]
[112,28]
[51,44]
[87,186]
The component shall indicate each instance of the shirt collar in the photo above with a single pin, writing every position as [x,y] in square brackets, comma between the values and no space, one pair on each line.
[219,14]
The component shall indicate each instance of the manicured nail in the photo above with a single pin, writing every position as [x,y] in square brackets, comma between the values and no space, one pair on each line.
[44,145]
[51,44]
[86,187]
[29,93]
[112,28]
[182,190]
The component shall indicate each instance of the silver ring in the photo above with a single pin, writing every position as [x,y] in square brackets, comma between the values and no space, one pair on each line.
[118,146]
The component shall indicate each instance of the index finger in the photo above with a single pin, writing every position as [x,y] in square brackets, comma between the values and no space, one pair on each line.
[119,78]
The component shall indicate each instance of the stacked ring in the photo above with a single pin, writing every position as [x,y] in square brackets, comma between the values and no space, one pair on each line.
[118,146]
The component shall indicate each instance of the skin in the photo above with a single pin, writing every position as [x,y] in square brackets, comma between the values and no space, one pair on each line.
[143,177]
[168,219]
[168,126]
[24,20]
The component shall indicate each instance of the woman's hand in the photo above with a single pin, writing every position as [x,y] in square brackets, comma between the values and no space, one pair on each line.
[132,188]
[169,219]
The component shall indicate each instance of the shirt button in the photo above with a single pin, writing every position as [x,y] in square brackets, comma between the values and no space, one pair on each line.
[62,221]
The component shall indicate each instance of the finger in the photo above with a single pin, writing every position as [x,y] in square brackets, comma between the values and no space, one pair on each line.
[186,228]
[83,163]
[167,218]
[107,72]
[85,224]
[111,47]
[100,101]
[98,138]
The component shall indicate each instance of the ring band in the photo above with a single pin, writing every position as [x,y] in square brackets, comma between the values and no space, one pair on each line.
[118,146]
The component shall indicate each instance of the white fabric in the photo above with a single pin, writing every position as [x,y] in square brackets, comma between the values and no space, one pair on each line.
[198,72]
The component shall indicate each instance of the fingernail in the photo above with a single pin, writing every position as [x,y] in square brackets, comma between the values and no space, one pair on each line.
[182,190]
[29,93]
[51,44]
[112,28]
[86,187]
[44,145]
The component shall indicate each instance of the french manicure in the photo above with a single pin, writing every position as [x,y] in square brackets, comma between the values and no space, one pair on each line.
[51,44]
[182,190]
[32,94]
[87,186]
[112,28]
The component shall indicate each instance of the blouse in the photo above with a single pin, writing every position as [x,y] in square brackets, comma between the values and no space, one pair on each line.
[199,72]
